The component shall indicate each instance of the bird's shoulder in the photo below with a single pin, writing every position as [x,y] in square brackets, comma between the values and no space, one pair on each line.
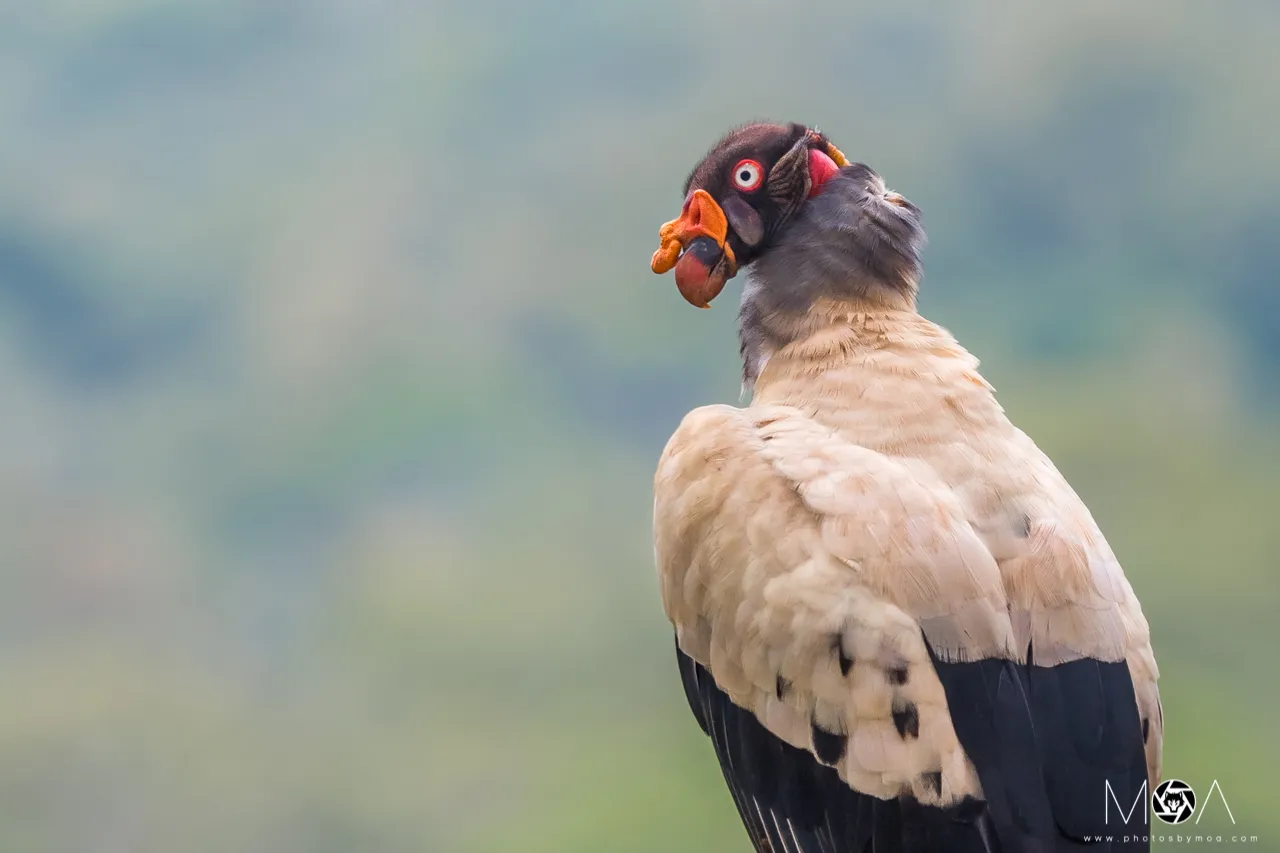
[768,489]
[798,569]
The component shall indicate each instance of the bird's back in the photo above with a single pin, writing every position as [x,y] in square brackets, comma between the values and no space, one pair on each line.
[895,383]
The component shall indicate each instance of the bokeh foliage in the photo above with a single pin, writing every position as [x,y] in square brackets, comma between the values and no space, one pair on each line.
[334,379]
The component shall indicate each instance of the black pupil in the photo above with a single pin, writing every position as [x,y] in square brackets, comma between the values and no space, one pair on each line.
[745,176]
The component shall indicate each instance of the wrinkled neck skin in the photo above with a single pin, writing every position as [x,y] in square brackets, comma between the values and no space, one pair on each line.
[848,247]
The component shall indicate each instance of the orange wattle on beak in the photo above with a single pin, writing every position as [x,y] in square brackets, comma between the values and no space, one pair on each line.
[695,245]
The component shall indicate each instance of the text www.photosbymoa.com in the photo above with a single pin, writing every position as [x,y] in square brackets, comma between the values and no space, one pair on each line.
[1177,839]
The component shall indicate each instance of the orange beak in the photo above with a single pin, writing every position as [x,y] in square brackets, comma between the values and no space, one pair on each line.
[695,245]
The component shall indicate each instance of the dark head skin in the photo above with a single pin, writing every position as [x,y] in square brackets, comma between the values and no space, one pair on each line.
[782,152]
[810,230]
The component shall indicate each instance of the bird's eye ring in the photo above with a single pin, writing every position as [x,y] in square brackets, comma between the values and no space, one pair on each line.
[747,175]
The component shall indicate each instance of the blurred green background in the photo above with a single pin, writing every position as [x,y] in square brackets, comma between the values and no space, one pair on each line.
[334,378]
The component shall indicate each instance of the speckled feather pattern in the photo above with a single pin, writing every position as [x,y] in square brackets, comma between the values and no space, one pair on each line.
[874,497]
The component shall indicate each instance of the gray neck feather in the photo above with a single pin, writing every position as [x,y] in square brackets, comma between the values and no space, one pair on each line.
[850,243]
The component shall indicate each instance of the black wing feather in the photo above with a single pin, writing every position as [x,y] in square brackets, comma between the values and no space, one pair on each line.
[1047,742]
[1091,745]
[790,803]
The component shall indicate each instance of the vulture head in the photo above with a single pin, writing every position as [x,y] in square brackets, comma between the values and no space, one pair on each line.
[784,198]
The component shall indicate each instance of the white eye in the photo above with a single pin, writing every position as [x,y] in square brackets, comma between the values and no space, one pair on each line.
[747,175]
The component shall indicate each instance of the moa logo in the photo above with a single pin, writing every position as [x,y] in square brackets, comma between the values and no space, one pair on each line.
[1173,801]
